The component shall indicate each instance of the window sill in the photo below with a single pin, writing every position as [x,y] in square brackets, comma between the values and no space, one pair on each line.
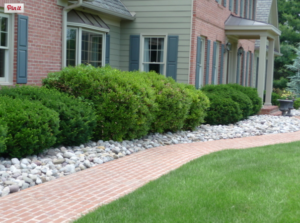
[6,84]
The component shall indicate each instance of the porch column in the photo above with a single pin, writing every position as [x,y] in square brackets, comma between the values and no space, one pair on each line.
[262,66]
[270,73]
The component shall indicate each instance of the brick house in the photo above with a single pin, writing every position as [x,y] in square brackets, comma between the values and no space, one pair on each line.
[194,41]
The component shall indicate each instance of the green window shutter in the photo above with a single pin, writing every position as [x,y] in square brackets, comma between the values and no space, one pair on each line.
[222,64]
[230,5]
[198,61]
[224,3]
[207,62]
[247,70]
[246,9]
[22,49]
[134,52]
[172,56]
[236,6]
[214,63]
[242,8]
[107,53]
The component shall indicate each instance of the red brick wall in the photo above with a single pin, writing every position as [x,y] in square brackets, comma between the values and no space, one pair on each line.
[208,20]
[44,38]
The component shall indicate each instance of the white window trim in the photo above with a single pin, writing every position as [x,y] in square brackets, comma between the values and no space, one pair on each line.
[202,61]
[142,40]
[78,44]
[9,57]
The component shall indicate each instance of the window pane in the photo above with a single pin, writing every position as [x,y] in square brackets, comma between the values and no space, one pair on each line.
[158,68]
[71,47]
[3,39]
[153,56]
[160,43]
[91,47]
[153,43]
[3,23]
[160,56]
[2,62]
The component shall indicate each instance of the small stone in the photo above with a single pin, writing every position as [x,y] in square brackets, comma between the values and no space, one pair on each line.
[82,167]
[13,188]
[38,180]
[98,160]
[15,161]
[58,161]
[87,164]
[68,155]
[5,191]
[25,186]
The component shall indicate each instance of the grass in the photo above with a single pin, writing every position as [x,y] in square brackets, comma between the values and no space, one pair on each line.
[255,185]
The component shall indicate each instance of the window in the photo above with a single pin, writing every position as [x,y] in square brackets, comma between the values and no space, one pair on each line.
[154,53]
[85,47]
[242,11]
[4,47]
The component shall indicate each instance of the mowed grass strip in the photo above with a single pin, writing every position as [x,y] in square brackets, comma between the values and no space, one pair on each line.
[251,185]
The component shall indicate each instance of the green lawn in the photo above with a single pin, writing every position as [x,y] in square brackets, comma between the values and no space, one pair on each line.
[253,185]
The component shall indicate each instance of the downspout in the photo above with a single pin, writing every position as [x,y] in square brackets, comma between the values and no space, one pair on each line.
[65,11]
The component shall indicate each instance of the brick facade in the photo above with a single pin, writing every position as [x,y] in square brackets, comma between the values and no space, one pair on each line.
[208,21]
[44,38]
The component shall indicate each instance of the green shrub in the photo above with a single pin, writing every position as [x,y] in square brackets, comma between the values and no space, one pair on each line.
[77,119]
[281,83]
[124,103]
[197,111]
[3,134]
[297,103]
[173,101]
[31,127]
[252,94]
[222,110]
[242,99]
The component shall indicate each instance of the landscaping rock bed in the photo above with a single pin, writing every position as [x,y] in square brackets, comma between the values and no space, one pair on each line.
[18,174]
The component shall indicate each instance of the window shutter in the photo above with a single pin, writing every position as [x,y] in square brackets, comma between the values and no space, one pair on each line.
[222,64]
[243,68]
[247,70]
[236,6]
[250,73]
[238,72]
[230,5]
[224,3]
[250,9]
[134,52]
[254,9]
[207,62]
[198,61]
[246,9]
[172,57]
[22,50]
[214,63]
[242,8]
[107,53]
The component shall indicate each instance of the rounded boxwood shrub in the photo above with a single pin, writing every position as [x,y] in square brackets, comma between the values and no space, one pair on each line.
[197,111]
[3,134]
[30,126]
[252,94]
[173,100]
[124,103]
[77,119]
[297,103]
[243,100]
[222,110]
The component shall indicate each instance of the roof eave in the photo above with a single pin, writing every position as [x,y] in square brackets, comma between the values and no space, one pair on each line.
[99,9]
[271,28]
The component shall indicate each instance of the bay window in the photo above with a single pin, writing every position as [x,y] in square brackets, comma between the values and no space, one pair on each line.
[85,47]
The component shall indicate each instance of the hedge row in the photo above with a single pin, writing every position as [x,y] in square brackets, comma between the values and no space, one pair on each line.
[231,103]
[35,118]
[131,104]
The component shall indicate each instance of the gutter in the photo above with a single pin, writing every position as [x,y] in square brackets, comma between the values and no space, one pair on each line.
[65,11]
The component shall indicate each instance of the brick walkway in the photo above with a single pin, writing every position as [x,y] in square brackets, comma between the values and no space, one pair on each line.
[66,198]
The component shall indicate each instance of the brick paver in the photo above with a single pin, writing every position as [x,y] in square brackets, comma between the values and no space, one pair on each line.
[66,198]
